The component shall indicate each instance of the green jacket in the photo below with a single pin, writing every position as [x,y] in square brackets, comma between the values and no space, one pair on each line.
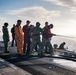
[36,32]
[5,33]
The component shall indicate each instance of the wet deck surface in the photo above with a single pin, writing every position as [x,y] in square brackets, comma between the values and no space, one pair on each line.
[7,68]
[41,66]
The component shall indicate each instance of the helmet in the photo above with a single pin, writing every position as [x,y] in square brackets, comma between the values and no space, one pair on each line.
[46,22]
[5,24]
[19,21]
[28,21]
[51,25]
[37,23]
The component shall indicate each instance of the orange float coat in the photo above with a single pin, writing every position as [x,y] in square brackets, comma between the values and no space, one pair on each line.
[19,39]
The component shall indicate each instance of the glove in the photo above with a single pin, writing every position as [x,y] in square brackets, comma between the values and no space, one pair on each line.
[54,34]
[31,39]
[19,39]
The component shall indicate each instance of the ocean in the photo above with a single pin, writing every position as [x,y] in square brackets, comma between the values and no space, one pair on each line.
[70,42]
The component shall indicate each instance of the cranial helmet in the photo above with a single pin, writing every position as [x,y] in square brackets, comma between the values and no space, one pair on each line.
[37,23]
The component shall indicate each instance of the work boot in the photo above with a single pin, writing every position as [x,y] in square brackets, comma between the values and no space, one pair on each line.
[19,55]
[24,51]
[6,52]
[41,55]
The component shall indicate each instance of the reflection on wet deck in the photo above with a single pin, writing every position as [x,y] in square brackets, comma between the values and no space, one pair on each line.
[63,63]
[66,63]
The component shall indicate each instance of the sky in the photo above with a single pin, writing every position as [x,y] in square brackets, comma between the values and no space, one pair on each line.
[61,13]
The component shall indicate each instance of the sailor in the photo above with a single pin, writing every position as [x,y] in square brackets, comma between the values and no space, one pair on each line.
[19,37]
[62,45]
[46,37]
[13,35]
[5,37]
[35,36]
[55,48]
[26,29]
[46,48]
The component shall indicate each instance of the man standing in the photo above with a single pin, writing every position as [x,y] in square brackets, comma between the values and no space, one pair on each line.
[46,24]
[19,37]
[5,37]
[26,37]
[35,35]
[46,37]
[13,35]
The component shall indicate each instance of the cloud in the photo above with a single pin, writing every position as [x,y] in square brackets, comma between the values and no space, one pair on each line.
[57,2]
[71,27]
[71,4]
[35,11]
[41,14]
[64,3]
[2,18]
[73,12]
[35,14]
[74,0]
[68,27]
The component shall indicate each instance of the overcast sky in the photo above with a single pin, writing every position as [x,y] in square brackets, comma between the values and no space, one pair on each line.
[61,13]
